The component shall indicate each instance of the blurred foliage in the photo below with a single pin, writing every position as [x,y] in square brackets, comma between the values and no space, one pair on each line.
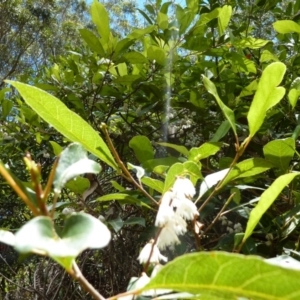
[145,79]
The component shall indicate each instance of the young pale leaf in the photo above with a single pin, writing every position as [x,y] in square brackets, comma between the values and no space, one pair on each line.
[266,200]
[100,19]
[140,172]
[224,18]
[280,152]
[65,121]
[286,26]
[211,180]
[209,85]
[7,238]
[142,148]
[73,161]
[81,231]
[222,275]
[266,96]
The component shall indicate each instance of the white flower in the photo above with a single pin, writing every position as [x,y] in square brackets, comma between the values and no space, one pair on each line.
[156,256]
[183,188]
[185,208]
[167,237]
[165,211]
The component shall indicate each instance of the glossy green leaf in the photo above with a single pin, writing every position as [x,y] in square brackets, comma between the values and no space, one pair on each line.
[138,33]
[266,96]
[286,26]
[222,275]
[224,18]
[100,19]
[293,97]
[181,149]
[153,163]
[92,41]
[81,231]
[280,152]
[209,85]
[204,151]
[266,200]
[73,162]
[154,184]
[65,121]
[142,148]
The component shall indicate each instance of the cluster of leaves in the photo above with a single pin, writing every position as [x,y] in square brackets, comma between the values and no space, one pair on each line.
[200,91]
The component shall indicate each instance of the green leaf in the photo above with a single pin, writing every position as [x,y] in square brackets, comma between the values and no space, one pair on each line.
[293,97]
[266,200]
[181,149]
[142,148]
[286,26]
[266,96]
[135,221]
[73,162]
[92,41]
[248,168]
[138,33]
[209,85]
[221,131]
[78,185]
[222,275]
[118,196]
[81,231]
[166,161]
[65,121]
[157,54]
[57,149]
[154,184]
[250,42]
[268,56]
[7,105]
[162,21]
[204,151]
[224,18]
[280,152]
[100,19]
[116,224]
[135,58]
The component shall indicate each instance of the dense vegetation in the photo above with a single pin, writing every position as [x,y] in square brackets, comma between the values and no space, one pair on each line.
[205,92]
